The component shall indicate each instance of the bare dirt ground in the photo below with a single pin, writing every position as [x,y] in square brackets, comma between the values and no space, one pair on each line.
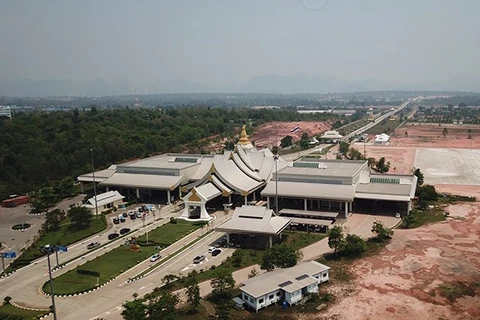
[430,136]
[270,133]
[403,280]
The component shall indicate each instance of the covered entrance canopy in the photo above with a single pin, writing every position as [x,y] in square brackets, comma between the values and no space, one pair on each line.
[196,199]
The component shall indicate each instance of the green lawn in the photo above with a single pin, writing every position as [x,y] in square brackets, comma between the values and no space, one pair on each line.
[64,237]
[419,218]
[18,313]
[114,262]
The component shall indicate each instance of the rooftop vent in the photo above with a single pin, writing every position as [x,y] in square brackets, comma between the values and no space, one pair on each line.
[284,284]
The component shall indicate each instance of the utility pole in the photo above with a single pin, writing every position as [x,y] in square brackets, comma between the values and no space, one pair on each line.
[94,184]
[48,249]
[276,183]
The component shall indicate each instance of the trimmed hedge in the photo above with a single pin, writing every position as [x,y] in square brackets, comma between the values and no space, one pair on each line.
[88,272]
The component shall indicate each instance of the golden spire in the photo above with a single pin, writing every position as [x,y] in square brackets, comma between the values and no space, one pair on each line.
[243,137]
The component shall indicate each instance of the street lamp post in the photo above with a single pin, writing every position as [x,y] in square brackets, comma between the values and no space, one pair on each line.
[48,249]
[276,183]
[94,183]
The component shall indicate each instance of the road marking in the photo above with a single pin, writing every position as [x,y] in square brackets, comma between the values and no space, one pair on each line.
[141,288]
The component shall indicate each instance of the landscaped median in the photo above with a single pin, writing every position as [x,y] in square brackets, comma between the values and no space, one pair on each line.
[113,263]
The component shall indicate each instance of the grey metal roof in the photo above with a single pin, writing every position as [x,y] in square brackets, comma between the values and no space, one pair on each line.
[143,181]
[253,219]
[327,214]
[315,222]
[164,161]
[384,189]
[309,190]
[389,197]
[208,191]
[99,175]
[233,177]
[270,281]
[330,168]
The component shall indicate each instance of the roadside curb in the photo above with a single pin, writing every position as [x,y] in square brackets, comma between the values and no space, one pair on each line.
[32,309]
[7,274]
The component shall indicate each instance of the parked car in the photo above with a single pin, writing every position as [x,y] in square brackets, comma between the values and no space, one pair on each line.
[93,245]
[397,215]
[155,257]
[211,249]
[198,259]
[112,236]
[216,252]
[133,217]
[116,221]
[122,220]
[125,214]
[124,230]
[131,213]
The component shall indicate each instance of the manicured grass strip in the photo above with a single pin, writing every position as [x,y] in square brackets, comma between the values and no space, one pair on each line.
[420,218]
[168,257]
[19,313]
[116,261]
[64,237]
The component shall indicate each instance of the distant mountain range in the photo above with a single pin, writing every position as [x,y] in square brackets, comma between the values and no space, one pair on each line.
[273,83]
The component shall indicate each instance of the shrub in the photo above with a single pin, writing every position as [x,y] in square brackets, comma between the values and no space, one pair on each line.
[6,300]
[88,272]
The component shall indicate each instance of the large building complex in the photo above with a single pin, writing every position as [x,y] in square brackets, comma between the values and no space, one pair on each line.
[308,190]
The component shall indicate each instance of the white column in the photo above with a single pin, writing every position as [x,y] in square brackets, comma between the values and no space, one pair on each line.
[346,209]
[409,206]
[228,238]
[138,193]
[268,202]
[340,205]
[254,197]
[230,199]
[305,204]
[351,206]
[246,200]
[329,205]
[168,197]
[106,188]
[270,239]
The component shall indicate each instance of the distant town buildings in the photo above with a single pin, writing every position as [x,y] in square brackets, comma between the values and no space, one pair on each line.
[6,111]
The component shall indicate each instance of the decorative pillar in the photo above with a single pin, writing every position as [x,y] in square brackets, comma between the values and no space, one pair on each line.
[168,197]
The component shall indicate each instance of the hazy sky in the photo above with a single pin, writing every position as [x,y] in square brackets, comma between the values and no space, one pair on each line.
[228,42]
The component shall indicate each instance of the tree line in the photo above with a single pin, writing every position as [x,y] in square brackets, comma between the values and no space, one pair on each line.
[41,148]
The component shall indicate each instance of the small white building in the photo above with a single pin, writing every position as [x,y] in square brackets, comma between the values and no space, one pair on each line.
[196,200]
[331,136]
[290,285]
[382,139]
[104,201]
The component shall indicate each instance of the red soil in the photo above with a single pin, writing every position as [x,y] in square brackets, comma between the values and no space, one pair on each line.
[271,133]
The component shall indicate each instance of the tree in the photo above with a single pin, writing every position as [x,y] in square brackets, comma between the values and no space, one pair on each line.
[469,134]
[303,144]
[287,141]
[409,220]
[279,256]
[193,294]
[222,309]
[420,177]
[335,238]
[168,279]
[253,273]
[65,188]
[353,246]
[427,193]
[52,220]
[162,307]
[381,231]
[445,132]
[134,310]
[406,133]
[222,284]
[343,147]
[81,217]
[382,166]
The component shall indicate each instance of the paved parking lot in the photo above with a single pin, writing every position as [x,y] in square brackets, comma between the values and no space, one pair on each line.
[449,166]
